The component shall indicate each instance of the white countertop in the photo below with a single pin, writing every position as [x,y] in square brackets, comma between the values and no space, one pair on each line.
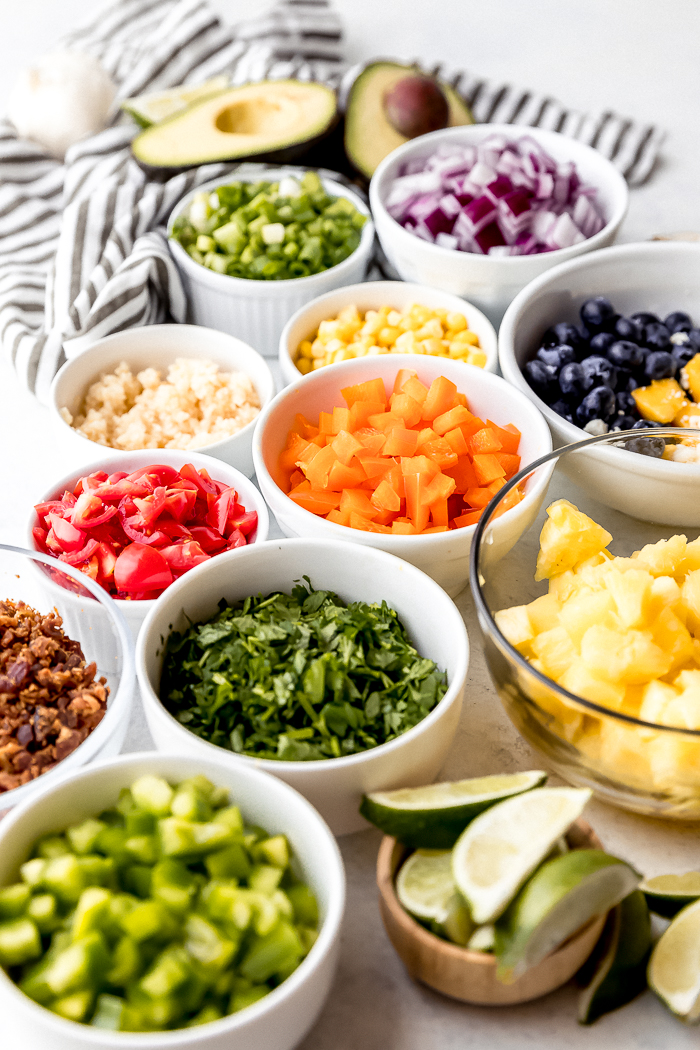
[639,58]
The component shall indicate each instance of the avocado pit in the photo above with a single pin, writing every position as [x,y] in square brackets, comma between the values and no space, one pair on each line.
[415,105]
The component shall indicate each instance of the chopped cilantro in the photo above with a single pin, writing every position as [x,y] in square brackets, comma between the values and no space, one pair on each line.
[298,677]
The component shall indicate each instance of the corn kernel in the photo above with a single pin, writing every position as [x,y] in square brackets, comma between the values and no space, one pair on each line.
[350,313]
[318,349]
[393,318]
[304,365]
[456,322]
[341,355]
[305,348]
[432,347]
[327,330]
[318,363]
[374,350]
[405,343]
[387,336]
[458,350]
[431,330]
[477,358]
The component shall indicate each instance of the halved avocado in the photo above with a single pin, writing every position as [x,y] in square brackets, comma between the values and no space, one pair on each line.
[273,119]
[369,136]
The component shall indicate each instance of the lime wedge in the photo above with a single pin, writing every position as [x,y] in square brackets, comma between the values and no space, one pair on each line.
[433,817]
[483,939]
[674,967]
[156,106]
[667,894]
[622,955]
[426,889]
[499,850]
[561,897]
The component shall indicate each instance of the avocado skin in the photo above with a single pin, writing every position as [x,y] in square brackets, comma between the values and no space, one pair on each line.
[294,150]
[369,137]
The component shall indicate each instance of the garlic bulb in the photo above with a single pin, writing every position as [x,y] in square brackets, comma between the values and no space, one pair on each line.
[63,97]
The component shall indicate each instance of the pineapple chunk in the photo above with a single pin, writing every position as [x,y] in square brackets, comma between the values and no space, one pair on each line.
[585,610]
[674,762]
[624,657]
[631,591]
[657,695]
[580,680]
[515,626]
[661,401]
[690,593]
[623,752]
[563,586]
[674,639]
[691,373]
[691,561]
[664,557]
[544,613]
[568,537]
[555,651]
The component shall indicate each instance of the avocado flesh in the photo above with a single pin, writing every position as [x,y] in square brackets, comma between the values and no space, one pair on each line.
[369,136]
[273,118]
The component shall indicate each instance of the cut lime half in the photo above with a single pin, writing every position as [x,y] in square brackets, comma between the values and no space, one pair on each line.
[156,106]
[502,847]
[667,894]
[433,817]
[674,966]
[622,956]
[560,898]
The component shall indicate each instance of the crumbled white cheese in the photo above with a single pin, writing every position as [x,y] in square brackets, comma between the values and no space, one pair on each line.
[596,427]
[679,338]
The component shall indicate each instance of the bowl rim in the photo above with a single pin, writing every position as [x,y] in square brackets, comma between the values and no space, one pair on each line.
[114,337]
[479,131]
[222,280]
[127,679]
[485,615]
[435,539]
[512,372]
[328,932]
[346,549]
[113,457]
[285,356]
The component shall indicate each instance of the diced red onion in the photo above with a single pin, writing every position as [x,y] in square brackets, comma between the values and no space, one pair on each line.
[498,198]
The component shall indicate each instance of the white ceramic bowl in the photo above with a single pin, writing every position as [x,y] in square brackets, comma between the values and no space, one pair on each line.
[490,282]
[371,296]
[285,1015]
[445,555]
[112,461]
[335,785]
[158,346]
[657,276]
[257,311]
[97,624]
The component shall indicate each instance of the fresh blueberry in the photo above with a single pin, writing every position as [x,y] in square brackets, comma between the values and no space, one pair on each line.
[598,371]
[541,378]
[694,339]
[644,318]
[597,312]
[625,404]
[656,336]
[646,424]
[556,355]
[631,383]
[624,423]
[626,354]
[683,354]
[660,364]
[646,446]
[626,329]
[562,333]
[678,322]
[562,409]
[599,403]
[600,344]
[573,382]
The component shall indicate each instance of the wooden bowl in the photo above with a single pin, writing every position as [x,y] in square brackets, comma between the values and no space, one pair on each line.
[469,975]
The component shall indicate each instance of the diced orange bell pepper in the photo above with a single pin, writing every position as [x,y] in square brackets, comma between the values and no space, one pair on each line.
[295,446]
[511,499]
[471,426]
[303,427]
[415,389]
[361,411]
[403,528]
[385,421]
[400,442]
[449,420]
[457,441]
[440,399]
[438,513]
[439,489]
[487,469]
[461,399]
[509,436]
[419,465]
[394,477]
[375,526]
[307,455]
[463,473]
[356,501]
[342,477]
[470,518]
[371,439]
[359,521]
[339,517]
[407,407]
[318,469]
[484,441]
[296,479]
[341,419]
[372,390]
[402,376]
[374,466]
[325,423]
[301,486]
[441,453]
[424,436]
[385,497]
[509,462]
[478,497]
[416,511]
[316,501]
[345,446]
[434,528]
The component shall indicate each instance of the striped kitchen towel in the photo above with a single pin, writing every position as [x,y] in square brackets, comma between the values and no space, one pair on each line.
[83,250]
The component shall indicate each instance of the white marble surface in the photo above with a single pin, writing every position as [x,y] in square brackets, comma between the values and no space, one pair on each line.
[639,58]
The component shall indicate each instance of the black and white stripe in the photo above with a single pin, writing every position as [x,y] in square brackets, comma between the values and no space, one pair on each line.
[83,251]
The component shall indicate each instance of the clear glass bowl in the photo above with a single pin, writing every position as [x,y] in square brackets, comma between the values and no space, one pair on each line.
[91,618]
[638,765]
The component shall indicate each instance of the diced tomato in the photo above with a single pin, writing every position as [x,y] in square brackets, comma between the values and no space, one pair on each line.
[91,510]
[220,510]
[66,535]
[236,539]
[183,556]
[142,568]
[209,540]
[79,556]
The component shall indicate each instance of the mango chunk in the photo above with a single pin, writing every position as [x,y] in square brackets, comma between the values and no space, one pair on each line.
[661,401]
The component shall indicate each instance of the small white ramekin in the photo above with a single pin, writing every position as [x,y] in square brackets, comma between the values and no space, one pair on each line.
[434,625]
[158,346]
[277,1022]
[134,612]
[490,282]
[257,311]
[371,296]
